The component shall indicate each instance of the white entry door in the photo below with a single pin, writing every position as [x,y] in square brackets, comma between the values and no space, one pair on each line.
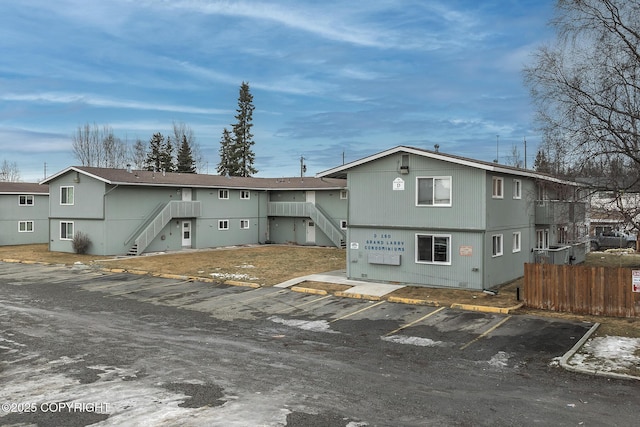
[186,194]
[186,234]
[311,231]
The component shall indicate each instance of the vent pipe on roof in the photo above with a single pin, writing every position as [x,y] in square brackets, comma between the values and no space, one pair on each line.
[437,147]
[129,167]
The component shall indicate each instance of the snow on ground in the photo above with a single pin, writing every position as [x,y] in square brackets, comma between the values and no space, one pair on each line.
[421,342]
[608,354]
[232,276]
[307,325]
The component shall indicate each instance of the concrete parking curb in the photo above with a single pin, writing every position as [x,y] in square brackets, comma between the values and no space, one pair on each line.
[357,296]
[413,301]
[485,308]
[245,284]
[308,290]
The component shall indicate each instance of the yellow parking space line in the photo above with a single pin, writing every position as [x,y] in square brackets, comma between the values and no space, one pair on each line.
[303,304]
[485,333]
[356,312]
[415,321]
[148,288]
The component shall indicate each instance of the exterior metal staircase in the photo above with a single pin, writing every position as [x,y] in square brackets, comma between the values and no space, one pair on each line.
[310,210]
[158,219]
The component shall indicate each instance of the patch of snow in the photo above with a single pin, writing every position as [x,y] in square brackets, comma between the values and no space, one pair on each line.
[245,266]
[232,276]
[608,354]
[307,325]
[422,342]
[499,360]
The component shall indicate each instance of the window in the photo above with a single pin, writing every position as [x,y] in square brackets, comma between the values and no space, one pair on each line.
[26,200]
[343,194]
[498,187]
[244,224]
[66,230]
[517,189]
[25,226]
[517,245]
[343,224]
[433,191]
[223,194]
[433,249]
[496,245]
[542,239]
[66,195]
[245,194]
[223,224]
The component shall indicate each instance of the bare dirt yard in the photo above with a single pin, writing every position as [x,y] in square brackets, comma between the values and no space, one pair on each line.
[272,264]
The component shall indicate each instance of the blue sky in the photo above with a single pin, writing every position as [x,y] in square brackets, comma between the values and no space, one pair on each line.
[330,79]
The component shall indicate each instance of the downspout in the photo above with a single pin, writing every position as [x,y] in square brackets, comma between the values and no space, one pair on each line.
[104,216]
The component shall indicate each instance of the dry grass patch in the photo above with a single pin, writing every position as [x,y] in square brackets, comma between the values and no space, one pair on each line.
[41,253]
[613,258]
[266,265]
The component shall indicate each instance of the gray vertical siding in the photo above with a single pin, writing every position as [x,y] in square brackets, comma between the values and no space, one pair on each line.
[11,213]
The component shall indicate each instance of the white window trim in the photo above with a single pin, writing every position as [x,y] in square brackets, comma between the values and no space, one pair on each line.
[517,242]
[242,224]
[27,197]
[26,228]
[517,189]
[245,195]
[223,224]
[223,194]
[343,194]
[448,236]
[73,196]
[542,236]
[500,251]
[500,187]
[73,227]
[343,224]
[434,205]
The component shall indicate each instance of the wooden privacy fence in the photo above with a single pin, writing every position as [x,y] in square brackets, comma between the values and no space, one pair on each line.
[602,291]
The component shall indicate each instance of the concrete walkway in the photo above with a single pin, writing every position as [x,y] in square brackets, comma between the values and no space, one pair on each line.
[374,289]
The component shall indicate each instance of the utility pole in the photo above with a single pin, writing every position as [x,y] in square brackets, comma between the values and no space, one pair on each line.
[525,152]
[303,167]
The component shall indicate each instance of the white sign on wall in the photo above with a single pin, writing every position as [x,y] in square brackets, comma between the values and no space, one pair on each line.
[635,280]
[354,245]
[398,184]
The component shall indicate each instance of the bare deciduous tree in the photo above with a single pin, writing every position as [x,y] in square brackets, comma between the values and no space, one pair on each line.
[9,172]
[586,88]
[98,146]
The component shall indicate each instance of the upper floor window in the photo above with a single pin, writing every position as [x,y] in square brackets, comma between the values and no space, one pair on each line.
[343,194]
[433,249]
[245,194]
[25,200]
[517,189]
[433,191]
[66,195]
[498,188]
[343,224]
[223,194]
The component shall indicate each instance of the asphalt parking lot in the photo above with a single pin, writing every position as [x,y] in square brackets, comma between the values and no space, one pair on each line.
[155,351]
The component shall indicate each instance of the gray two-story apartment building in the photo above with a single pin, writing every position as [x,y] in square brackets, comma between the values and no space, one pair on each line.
[24,209]
[424,217]
[134,211]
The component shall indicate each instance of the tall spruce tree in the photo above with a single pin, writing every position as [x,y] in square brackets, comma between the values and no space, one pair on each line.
[236,152]
[160,154]
[185,162]
[226,166]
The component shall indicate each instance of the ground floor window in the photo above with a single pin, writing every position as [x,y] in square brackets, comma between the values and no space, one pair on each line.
[66,230]
[542,239]
[244,224]
[223,224]
[433,248]
[25,226]
[496,245]
[517,244]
